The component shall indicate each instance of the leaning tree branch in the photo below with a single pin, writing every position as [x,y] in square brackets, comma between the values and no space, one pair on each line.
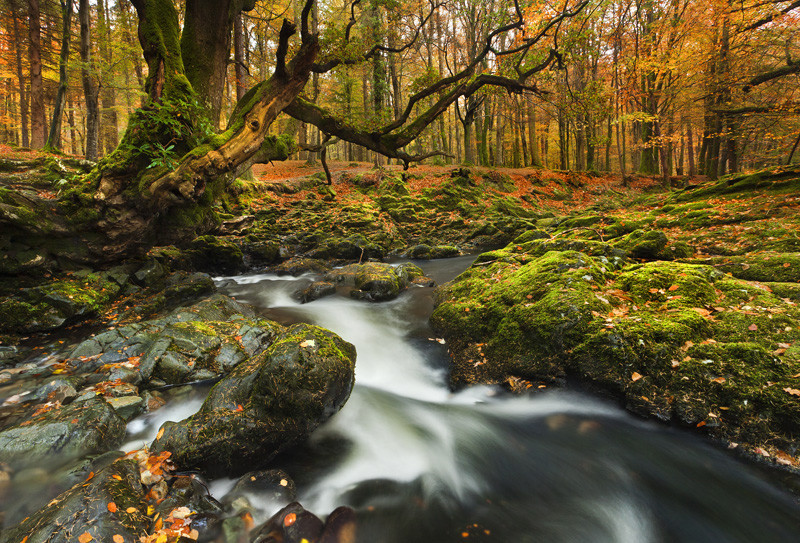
[791,67]
[247,134]
[771,17]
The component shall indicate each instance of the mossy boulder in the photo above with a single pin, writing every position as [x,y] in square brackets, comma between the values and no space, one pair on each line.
[86,508]
[51,305]
[375,281]
[62,433]
[676,341]
[267,404]
[215,255]
[426,252]
[762,266]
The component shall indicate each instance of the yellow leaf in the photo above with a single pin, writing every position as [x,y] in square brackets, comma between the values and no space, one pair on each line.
[636,376]
[85,537]
[160,433]
[131,510]
[118,538]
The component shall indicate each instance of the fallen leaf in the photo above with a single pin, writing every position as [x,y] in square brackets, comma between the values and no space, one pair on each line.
[289,519]
[112,507]
[674,288]
[752,327]
[160,433]
[181,512]
[239,408]
[786,264]
[792,391]
[701,423]
[675,363]
[118,538]
[85,537]
[131,510]
[308,343]
[636,376]
[719,380]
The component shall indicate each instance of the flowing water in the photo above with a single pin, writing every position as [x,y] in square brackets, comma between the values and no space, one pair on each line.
[422,464]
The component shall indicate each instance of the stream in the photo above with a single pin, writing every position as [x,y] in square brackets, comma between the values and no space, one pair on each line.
[422,464]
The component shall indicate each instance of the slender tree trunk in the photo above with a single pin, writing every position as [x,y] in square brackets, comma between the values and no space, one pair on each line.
[108,95]
[23,95]
[54,138]
[536,160]
[73,132]
[238,57]
[90,89]
[690,150]
[38,122]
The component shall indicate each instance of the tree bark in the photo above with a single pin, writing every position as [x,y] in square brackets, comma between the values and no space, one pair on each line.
[38,122]
[238,57]
[54,138]
[23,95]
[108,94]
[90,89]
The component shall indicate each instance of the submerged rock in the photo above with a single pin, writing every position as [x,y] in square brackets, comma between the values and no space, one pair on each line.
[266,404]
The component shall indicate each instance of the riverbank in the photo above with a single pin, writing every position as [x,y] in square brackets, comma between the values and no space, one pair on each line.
[681,303]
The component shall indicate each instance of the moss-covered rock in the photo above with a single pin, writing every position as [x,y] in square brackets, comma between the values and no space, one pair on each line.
[215,255]
[761,266]
[375,281]
[267,404]
[677,341]
[53,304]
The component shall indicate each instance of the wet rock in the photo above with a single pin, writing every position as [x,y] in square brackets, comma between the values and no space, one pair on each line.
[151,274]
[127,407]
[84,508]
[315,291]
[274,485]
[375,281]
[297,266]
[266,404]
[71,431]
[191,343]
[293,524]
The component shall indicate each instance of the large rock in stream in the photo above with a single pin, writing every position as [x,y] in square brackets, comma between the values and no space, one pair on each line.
[108,506]
[265,405]
[675,341]
[62,434]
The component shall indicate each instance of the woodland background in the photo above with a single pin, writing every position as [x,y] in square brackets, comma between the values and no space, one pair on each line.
[659,87]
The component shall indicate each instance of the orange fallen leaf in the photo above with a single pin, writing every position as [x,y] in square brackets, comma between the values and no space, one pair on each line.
[118,538]
[719,380]
[701,423]
[239,408]
[792,391]
[752,327]
[112,507]
[85,537]
[786,264]
[116,477]
[160,433]
[673,288]
[131,510]
[636,376]
[289,519]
